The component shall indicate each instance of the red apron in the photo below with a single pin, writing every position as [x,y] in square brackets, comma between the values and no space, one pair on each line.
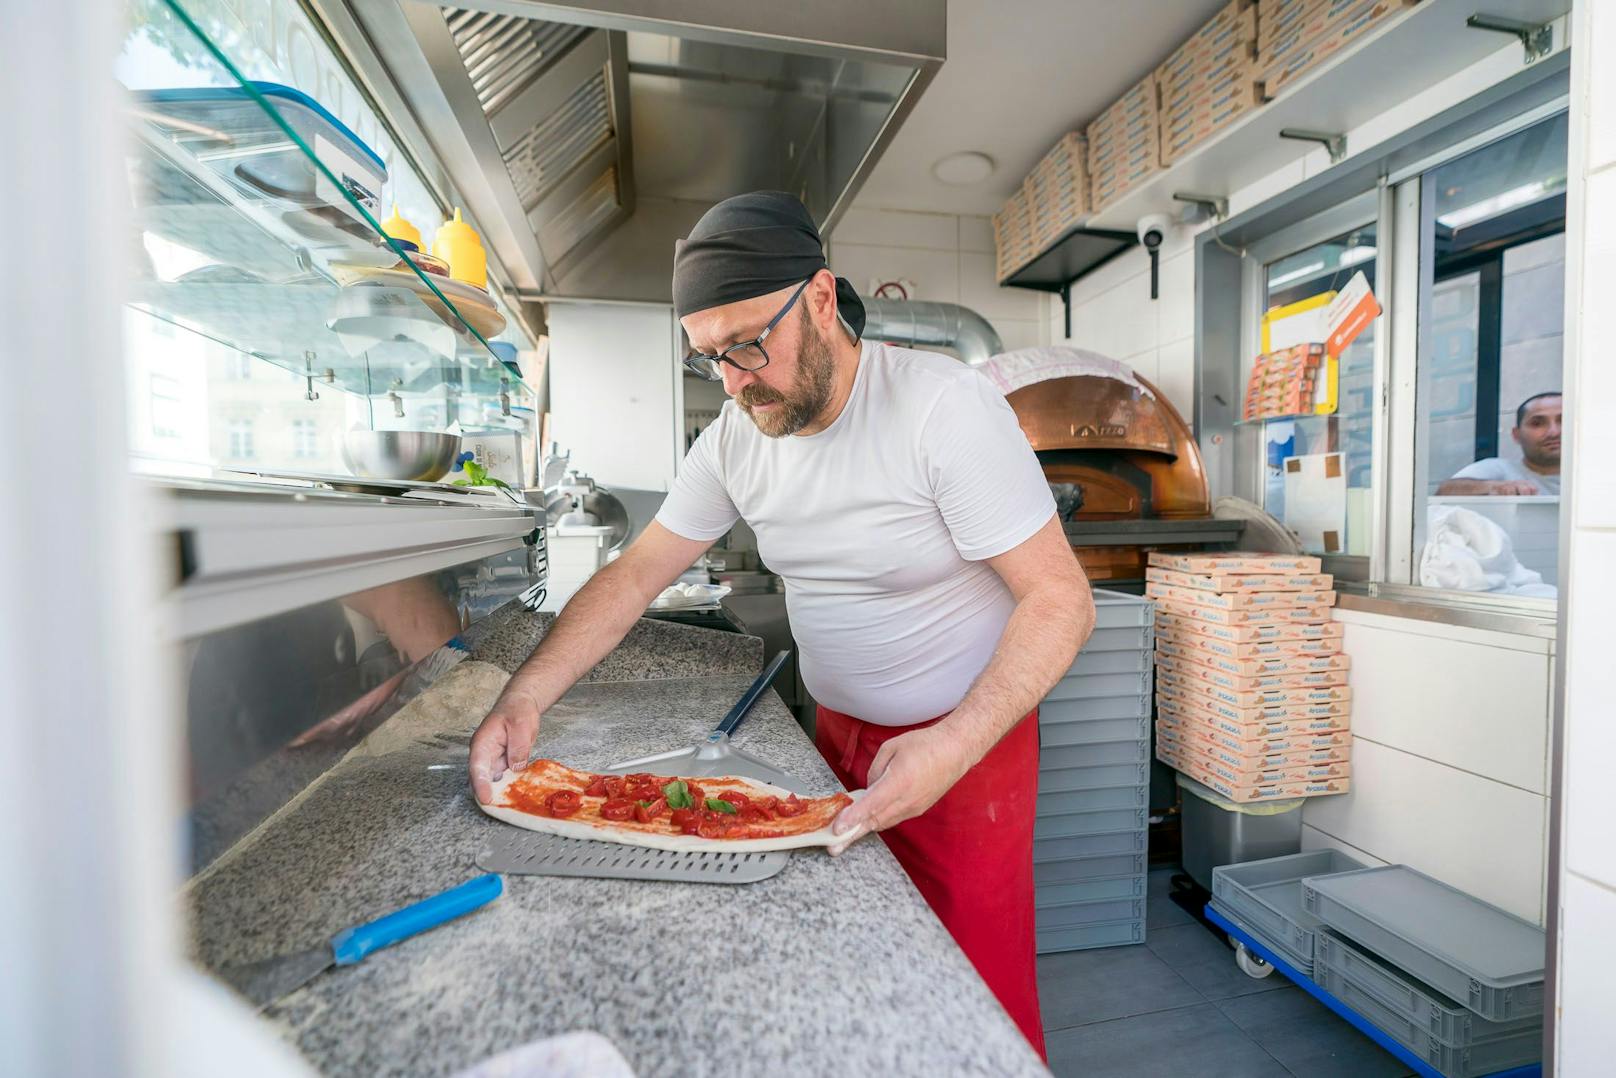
[970,854]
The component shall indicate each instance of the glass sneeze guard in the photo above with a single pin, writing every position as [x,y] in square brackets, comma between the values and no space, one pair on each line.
[254,213]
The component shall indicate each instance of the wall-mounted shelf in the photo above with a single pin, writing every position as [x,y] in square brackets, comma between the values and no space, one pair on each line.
[1404,57]
[1390,65]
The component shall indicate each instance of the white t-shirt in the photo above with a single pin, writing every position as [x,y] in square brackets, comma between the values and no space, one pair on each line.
[879,525]
[1505,468]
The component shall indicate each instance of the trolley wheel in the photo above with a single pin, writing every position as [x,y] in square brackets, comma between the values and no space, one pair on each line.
[1251,965]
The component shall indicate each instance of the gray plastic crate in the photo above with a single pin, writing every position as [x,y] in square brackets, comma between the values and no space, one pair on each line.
[1302,965]
[1102,889]
[1267,896]
[1088,868]
[1428,1009]
[1090,663]
[1087,733]
[1090,913]
[1483,1057]
[1055,712]
[1090,686]
[1089,823]
[1104,753]
[1062,849]
[1084,937]
[1116,609]
[1107,797]
[1488,960]
[1122,638]
[1053,780]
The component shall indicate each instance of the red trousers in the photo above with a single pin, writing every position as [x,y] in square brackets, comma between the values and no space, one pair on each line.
[970,854]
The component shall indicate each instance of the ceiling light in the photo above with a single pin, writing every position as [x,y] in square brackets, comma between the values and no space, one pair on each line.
[1295,275]
[963,169]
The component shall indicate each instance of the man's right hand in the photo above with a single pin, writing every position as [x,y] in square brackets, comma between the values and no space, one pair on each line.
[1513,487]
[502,742]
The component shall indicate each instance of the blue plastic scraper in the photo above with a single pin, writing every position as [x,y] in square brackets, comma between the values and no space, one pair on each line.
[266,981]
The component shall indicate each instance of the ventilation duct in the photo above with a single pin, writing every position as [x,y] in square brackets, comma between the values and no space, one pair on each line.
[918,324]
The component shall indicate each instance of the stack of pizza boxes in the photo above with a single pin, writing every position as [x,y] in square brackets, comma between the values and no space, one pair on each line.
[1295,36]
[1251,682]
[1283,381]
[1208,82]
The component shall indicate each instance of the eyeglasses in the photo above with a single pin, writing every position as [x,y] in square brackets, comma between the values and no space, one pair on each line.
[743,355]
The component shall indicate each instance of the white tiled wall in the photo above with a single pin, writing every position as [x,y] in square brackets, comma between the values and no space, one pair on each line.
[949,258]
[1586,1041]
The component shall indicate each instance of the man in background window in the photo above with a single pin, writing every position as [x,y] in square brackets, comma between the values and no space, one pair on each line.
[1537,432]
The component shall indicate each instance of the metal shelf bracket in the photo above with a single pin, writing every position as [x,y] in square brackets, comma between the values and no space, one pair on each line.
[1537,39]
[1335,143]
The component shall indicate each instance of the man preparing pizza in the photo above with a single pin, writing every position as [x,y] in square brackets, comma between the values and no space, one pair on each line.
[930,588]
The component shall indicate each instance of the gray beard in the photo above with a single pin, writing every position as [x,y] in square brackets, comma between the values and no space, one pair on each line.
[810,393]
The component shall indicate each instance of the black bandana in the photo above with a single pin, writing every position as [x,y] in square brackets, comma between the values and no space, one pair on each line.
[749,246]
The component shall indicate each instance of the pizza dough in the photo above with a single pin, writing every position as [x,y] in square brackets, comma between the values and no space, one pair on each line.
[664,840]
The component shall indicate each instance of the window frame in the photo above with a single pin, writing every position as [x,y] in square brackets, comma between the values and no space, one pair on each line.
[1397,196]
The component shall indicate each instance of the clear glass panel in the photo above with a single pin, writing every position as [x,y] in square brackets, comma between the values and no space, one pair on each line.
[1328,506]
[1488,399]
[257,238]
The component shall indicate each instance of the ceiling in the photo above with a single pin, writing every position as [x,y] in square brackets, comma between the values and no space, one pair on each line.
[1013,84]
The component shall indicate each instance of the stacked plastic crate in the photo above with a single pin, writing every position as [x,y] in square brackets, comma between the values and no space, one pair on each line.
[1251,682]
[1089,841]
[1457,982]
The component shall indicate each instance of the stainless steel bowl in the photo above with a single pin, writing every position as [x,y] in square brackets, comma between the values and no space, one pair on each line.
[417,455]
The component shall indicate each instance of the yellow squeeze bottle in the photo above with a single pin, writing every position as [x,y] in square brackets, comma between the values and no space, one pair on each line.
[457,243]
[400,229]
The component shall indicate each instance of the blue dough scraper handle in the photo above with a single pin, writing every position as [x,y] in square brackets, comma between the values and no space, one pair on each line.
[352,944]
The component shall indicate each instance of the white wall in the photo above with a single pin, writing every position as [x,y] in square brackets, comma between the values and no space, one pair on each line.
[948,257]
[1587,993]
[1450,758]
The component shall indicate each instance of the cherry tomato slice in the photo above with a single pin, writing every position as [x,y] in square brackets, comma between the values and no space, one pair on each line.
[683,821]
[739,800]
[766,805]
[710,829]
[647,813]
[752,814]
[618,808]
[790,807]
[596,787]
[614,786]
[563,803]
[697,795]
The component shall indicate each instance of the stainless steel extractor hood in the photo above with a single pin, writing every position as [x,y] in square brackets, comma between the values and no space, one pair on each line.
[585,137]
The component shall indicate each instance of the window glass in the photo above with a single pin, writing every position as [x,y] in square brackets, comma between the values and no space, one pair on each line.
[1488,395]
[1317,468]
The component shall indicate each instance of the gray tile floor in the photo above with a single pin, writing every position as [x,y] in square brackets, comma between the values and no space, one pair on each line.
[1179,1006]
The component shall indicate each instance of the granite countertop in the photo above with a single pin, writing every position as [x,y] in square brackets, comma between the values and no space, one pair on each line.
[834,965]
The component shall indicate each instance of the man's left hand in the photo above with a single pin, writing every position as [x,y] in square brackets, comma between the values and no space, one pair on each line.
[907,777]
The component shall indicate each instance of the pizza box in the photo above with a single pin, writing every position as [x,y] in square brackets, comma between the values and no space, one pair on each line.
[1171,705]
[1193,671]
[1235,562]
[1248,794]
[1245,600]
[1266,752]
[1185,697]
[1332,763]
[1255,649]
[1167,681]
[1256,777]
[1283,632]
[1241,582]
[1292,663]
[1262,617]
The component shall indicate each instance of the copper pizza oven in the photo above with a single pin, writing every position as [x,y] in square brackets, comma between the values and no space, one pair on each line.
[1127,471]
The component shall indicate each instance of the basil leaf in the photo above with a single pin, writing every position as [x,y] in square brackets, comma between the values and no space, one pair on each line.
[678,794]
[720,806]
[643,804]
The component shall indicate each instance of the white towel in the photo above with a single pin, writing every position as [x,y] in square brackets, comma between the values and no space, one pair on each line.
[1464,551]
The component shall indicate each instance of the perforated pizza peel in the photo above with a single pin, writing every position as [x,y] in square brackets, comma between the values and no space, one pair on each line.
[513,850]
[713,755]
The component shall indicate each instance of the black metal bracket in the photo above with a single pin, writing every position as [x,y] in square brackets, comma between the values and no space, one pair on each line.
[1537,39]
[1335,143]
